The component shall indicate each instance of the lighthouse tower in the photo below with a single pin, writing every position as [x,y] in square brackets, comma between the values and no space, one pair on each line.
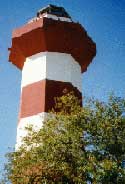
[52,51]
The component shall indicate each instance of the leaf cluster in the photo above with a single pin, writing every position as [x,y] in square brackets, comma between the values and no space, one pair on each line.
[76,145]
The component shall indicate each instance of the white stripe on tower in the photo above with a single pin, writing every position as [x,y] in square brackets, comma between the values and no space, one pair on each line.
[36,121]
[54,66]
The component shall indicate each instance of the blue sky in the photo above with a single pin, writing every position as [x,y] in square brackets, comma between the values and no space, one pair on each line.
[104,22]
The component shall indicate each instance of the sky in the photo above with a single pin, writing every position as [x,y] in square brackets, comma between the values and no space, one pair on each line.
[104,22]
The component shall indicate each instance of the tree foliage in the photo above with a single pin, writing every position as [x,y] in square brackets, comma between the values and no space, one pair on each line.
[75,145]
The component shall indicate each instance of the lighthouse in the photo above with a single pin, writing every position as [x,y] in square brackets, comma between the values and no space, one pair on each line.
[52,51]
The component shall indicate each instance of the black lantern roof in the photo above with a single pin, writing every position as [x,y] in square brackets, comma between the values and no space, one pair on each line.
[54,10]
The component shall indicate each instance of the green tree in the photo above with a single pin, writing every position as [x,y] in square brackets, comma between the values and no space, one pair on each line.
[75,145]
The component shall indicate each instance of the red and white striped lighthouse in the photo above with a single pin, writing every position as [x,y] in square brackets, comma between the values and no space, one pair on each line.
[52,51]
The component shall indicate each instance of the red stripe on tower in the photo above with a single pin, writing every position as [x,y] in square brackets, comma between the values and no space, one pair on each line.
[52,51]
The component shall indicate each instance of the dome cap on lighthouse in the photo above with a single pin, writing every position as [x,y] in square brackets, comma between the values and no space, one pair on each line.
[54,10]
